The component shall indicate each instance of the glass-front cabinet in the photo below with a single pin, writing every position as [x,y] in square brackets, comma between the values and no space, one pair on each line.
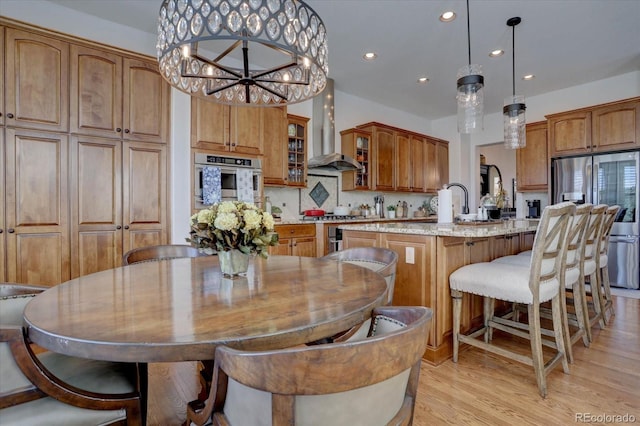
[356,143]
[297,150]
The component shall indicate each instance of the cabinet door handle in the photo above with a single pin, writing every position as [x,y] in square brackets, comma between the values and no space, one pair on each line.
[126,130]
[11,230]
[119,227]
[9,115]
[126,227]
[118,129]
[1,231]
[470,243]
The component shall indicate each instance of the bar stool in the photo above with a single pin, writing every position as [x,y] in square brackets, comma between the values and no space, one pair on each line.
[604,284]
[531,285]
[572,280]
[592,238]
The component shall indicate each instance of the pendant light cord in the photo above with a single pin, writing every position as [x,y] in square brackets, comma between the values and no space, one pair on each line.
[513,62]
[468,33]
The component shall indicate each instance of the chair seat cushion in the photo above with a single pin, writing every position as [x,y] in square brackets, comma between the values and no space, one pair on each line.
[502,281]
[571,274]
[603,259]
[589,267]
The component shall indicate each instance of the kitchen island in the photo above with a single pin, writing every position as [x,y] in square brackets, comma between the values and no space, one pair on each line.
[428,253]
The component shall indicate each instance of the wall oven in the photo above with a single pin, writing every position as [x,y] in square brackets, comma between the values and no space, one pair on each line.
[229,169]
[334,239]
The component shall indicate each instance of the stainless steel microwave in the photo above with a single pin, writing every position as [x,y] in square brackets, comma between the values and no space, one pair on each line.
[229,167]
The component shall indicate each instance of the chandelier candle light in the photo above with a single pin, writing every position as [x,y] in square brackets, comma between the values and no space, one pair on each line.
[513,111]
[285,37]
[470,94]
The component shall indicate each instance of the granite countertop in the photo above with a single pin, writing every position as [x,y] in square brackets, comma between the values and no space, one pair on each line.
[358,220]
[502,227]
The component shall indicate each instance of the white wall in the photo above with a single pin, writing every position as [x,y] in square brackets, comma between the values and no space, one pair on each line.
[350,110]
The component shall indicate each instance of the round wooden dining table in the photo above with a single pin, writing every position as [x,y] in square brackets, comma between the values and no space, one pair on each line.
[181,309]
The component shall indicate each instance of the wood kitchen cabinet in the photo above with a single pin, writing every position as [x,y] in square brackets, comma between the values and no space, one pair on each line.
[35,220]
[226,129]
[297,151]
[356,143]
[601,128]
[2,105]
[130,211]
[117,97]
[616,126]
[36,67]
[442,164]
[295,240]
[403,167]
[383,145]
[275,170]
[532,161]
[419,163]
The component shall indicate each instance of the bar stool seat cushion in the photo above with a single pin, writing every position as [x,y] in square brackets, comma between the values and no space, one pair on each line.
[501,281]
[571,274]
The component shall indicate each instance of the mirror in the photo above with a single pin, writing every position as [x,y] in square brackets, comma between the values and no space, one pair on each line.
[490,179]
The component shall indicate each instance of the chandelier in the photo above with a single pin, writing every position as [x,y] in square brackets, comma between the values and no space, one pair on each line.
[513,110]
[470,94]
[285,37]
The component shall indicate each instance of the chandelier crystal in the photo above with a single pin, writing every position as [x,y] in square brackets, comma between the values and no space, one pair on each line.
[286,37]
[470,93]
[515,135]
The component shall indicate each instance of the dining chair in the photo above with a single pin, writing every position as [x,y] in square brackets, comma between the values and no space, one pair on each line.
[152,253]
[572,280]
[602,276]
[381,260]
[372,381]
[42,387]
[532,285]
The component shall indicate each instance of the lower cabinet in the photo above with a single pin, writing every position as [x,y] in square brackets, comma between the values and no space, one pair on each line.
[118,200]
[422,278]
[295,240]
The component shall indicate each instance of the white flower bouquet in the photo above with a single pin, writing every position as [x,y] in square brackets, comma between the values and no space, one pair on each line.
[233,225]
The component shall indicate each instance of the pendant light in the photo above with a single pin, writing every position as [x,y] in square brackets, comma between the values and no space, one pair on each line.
[288,35]
[513,110]
[470,93]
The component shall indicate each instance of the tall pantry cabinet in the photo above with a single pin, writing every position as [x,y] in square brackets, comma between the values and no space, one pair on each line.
[85,158]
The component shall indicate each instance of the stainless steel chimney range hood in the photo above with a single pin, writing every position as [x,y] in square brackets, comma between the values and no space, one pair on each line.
[324,136]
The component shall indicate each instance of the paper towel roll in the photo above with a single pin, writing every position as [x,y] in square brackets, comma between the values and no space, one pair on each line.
[445,206]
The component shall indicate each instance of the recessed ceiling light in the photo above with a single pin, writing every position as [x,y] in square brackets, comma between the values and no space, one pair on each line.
[448,16]
[496,53]
[529,77]
[423,80]
[370,56]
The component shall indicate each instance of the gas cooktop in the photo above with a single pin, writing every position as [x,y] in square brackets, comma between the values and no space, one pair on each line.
[327,217]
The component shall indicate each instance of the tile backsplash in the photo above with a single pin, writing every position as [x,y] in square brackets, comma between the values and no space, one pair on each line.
[294,201]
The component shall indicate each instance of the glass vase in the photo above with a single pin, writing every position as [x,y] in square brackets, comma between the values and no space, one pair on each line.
[233,262]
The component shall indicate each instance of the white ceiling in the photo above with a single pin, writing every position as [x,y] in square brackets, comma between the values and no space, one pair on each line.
[563,42]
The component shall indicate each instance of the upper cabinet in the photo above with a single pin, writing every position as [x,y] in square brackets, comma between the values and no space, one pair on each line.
[356,143]
[117,97]
[601,128]
[36,67]
[532,161]
[616,126]
[395,160]
[297,151]
[285,147]
[225,128]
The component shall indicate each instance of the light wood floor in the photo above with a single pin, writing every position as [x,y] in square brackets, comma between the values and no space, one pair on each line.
[483,389]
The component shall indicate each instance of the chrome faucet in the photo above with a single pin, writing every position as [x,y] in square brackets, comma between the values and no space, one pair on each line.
[465,208]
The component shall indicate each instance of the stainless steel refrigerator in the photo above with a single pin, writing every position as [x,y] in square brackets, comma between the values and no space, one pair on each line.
[607,179]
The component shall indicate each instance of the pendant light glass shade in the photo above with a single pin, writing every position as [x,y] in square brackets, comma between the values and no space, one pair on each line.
[204,48]
[470,94]
[515,135]
[514,122]
[470,98]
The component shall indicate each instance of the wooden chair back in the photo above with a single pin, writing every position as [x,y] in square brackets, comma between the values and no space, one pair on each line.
[610,216]
[153,253]
[381,260]
[370,381]
[593,232]
[575,249]
[549,251]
